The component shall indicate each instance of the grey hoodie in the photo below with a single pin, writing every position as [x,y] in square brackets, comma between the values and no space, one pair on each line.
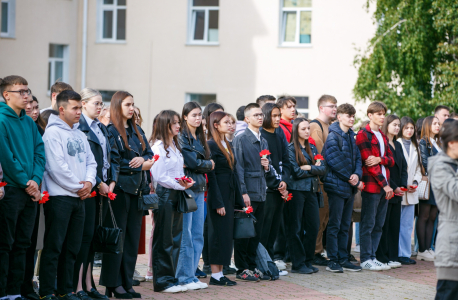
[69,159]
[444,182]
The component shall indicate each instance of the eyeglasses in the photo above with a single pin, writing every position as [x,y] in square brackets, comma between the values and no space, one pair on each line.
[331,106]
[22,92]
[258,116]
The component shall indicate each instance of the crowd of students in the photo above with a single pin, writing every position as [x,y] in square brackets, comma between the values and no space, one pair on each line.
[300,191]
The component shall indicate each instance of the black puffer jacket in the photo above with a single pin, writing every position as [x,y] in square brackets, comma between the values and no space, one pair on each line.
[194,159]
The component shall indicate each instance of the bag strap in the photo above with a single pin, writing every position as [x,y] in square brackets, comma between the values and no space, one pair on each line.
[286,128]
[112,216]
[321,126]
[100,213]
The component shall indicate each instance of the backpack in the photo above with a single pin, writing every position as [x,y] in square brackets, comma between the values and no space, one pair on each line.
[265,264]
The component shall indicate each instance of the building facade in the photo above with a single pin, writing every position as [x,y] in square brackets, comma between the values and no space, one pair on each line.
[168,52]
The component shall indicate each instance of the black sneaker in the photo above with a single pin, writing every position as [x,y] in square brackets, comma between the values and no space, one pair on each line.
[320,260]
[223,281]
[69,296]
[334,267]
[257,273]
[352,258]
[302,270]
[348,266]
[227,270]
[406,261]
[207,269]
[135,282]
[314,269]
[200,274]
[49,297]
[247,275]
[83,295]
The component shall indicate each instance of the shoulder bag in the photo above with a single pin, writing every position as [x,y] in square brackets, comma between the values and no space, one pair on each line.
[147,202]
[244,225]
[186,202]
[108,239]
[423,186]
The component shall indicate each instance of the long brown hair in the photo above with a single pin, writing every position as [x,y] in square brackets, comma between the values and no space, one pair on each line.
[116,118]
[426,131]
[187,108]
[404,122]
[163,129]
[388,120]
[300,158]
[215,118]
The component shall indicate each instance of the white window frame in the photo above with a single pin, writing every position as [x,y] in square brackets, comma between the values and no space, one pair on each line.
[53,61]
[101,7]
[11,19]
[188,98]
[191,24]
[297,10]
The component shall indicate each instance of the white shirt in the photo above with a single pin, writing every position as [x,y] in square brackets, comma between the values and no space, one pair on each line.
[94,126]
[257,135]
[382,150]
[166,169]
[433,141]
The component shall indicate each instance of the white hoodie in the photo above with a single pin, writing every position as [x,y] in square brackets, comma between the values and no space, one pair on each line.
[69,158]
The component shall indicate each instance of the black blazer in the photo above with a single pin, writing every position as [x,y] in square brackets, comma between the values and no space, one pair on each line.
[398,172]
[96,148]
[426,150]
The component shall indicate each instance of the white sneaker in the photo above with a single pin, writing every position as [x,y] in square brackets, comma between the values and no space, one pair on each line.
[381,265]
[414,253]
[432,252]
[202,285]
[280,265]
[426,256]
[357,249]
[283,273]
[192,286]
[173,289]
[324,254]
[394,264]
[148,277]
[369,265]
[138,277]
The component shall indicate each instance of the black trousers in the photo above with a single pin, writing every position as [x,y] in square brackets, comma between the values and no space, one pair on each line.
[446,290]
[302,224]
[118,269]
[17,216]
[167,239]
[281,251]
[205,256]
[245,249]
[272,219]
[27,285]
[86,253]
[63,234]
[388,247]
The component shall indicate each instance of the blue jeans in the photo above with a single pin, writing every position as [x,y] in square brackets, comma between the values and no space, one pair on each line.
[405,234]
[192,243]
[340,211]
[357,233]
[373,213]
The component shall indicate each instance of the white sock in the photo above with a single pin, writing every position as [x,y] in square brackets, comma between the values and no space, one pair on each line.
[217,276]
[12,297]
[221,273]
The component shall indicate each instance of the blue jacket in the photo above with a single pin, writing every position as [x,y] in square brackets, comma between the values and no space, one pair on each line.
[304,180]
[343,160]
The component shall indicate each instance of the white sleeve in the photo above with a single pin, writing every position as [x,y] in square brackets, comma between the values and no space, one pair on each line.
[159,170]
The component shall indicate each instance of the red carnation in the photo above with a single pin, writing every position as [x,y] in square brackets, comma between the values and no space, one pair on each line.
[264,153]
[318,157]
[312,141]
[248,209]
[289,197]
[44,198]
[156,157]
[413,186]
[111,196]
[403,189]
[93,194]
[184,178]
[2,184]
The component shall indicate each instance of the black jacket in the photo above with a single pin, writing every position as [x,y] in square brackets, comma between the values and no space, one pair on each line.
[96,148]
[426,150]
[305,180]
[194,159]
[398,172]
[131,180]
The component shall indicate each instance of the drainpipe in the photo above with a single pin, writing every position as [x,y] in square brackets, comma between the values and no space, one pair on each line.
[84,50]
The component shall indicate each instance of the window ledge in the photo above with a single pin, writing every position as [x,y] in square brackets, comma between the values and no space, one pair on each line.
[295,46]
[202,44]
[6,36]
[121,42]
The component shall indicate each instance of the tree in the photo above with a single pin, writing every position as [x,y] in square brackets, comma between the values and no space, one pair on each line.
[411,62]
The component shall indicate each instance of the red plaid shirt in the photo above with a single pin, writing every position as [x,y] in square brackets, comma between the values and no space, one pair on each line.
[372,176]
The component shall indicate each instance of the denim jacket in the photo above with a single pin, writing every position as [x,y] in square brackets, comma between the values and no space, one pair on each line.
[305,180]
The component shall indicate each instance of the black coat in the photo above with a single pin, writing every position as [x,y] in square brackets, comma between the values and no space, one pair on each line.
[223,191]
[398,172]
[426,151]
[97,151]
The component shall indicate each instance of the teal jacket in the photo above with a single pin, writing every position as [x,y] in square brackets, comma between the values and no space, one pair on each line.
[22,152]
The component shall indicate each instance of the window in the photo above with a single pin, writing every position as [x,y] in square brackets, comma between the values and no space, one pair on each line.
[302,105]
[202,99]
[112,21]
[8,16]
[203,27]
[58,64]
[106,96]
[296,23]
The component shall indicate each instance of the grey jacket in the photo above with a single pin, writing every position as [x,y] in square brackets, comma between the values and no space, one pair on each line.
[443,176]
[251,173]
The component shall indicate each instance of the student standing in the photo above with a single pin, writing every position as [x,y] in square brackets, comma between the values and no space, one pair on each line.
[70,175]
[301,212]
[287,106]
[135,158]
[168,221]
[251,170]
[223,195]
[387,251]
[196,155]
[23,161]
[57,88]
[442,113]
[377,157]
[341,184]
[408,140]
[429,146]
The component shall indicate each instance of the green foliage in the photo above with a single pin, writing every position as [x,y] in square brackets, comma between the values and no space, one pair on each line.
[411,62]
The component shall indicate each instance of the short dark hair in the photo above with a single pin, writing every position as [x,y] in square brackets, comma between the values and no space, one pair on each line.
[240,113]
[376,107]
[267,111]
[249,107]
[284,99]
[346,108]
[449,133]
[439,107]
[10,81]
[59,86]
[34,99]
[264,98]
[63,97]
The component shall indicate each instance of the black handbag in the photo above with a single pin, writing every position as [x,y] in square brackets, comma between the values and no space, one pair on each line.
[186,202]
[147,202]
[108,239]
[244,225]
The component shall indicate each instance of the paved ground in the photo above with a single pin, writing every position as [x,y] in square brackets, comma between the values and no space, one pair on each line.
[407,282]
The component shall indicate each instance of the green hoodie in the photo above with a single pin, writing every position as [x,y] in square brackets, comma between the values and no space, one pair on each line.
[22,153]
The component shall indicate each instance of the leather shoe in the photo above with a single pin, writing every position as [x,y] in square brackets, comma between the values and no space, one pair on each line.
[94,294]
[404,260]
[320,260]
